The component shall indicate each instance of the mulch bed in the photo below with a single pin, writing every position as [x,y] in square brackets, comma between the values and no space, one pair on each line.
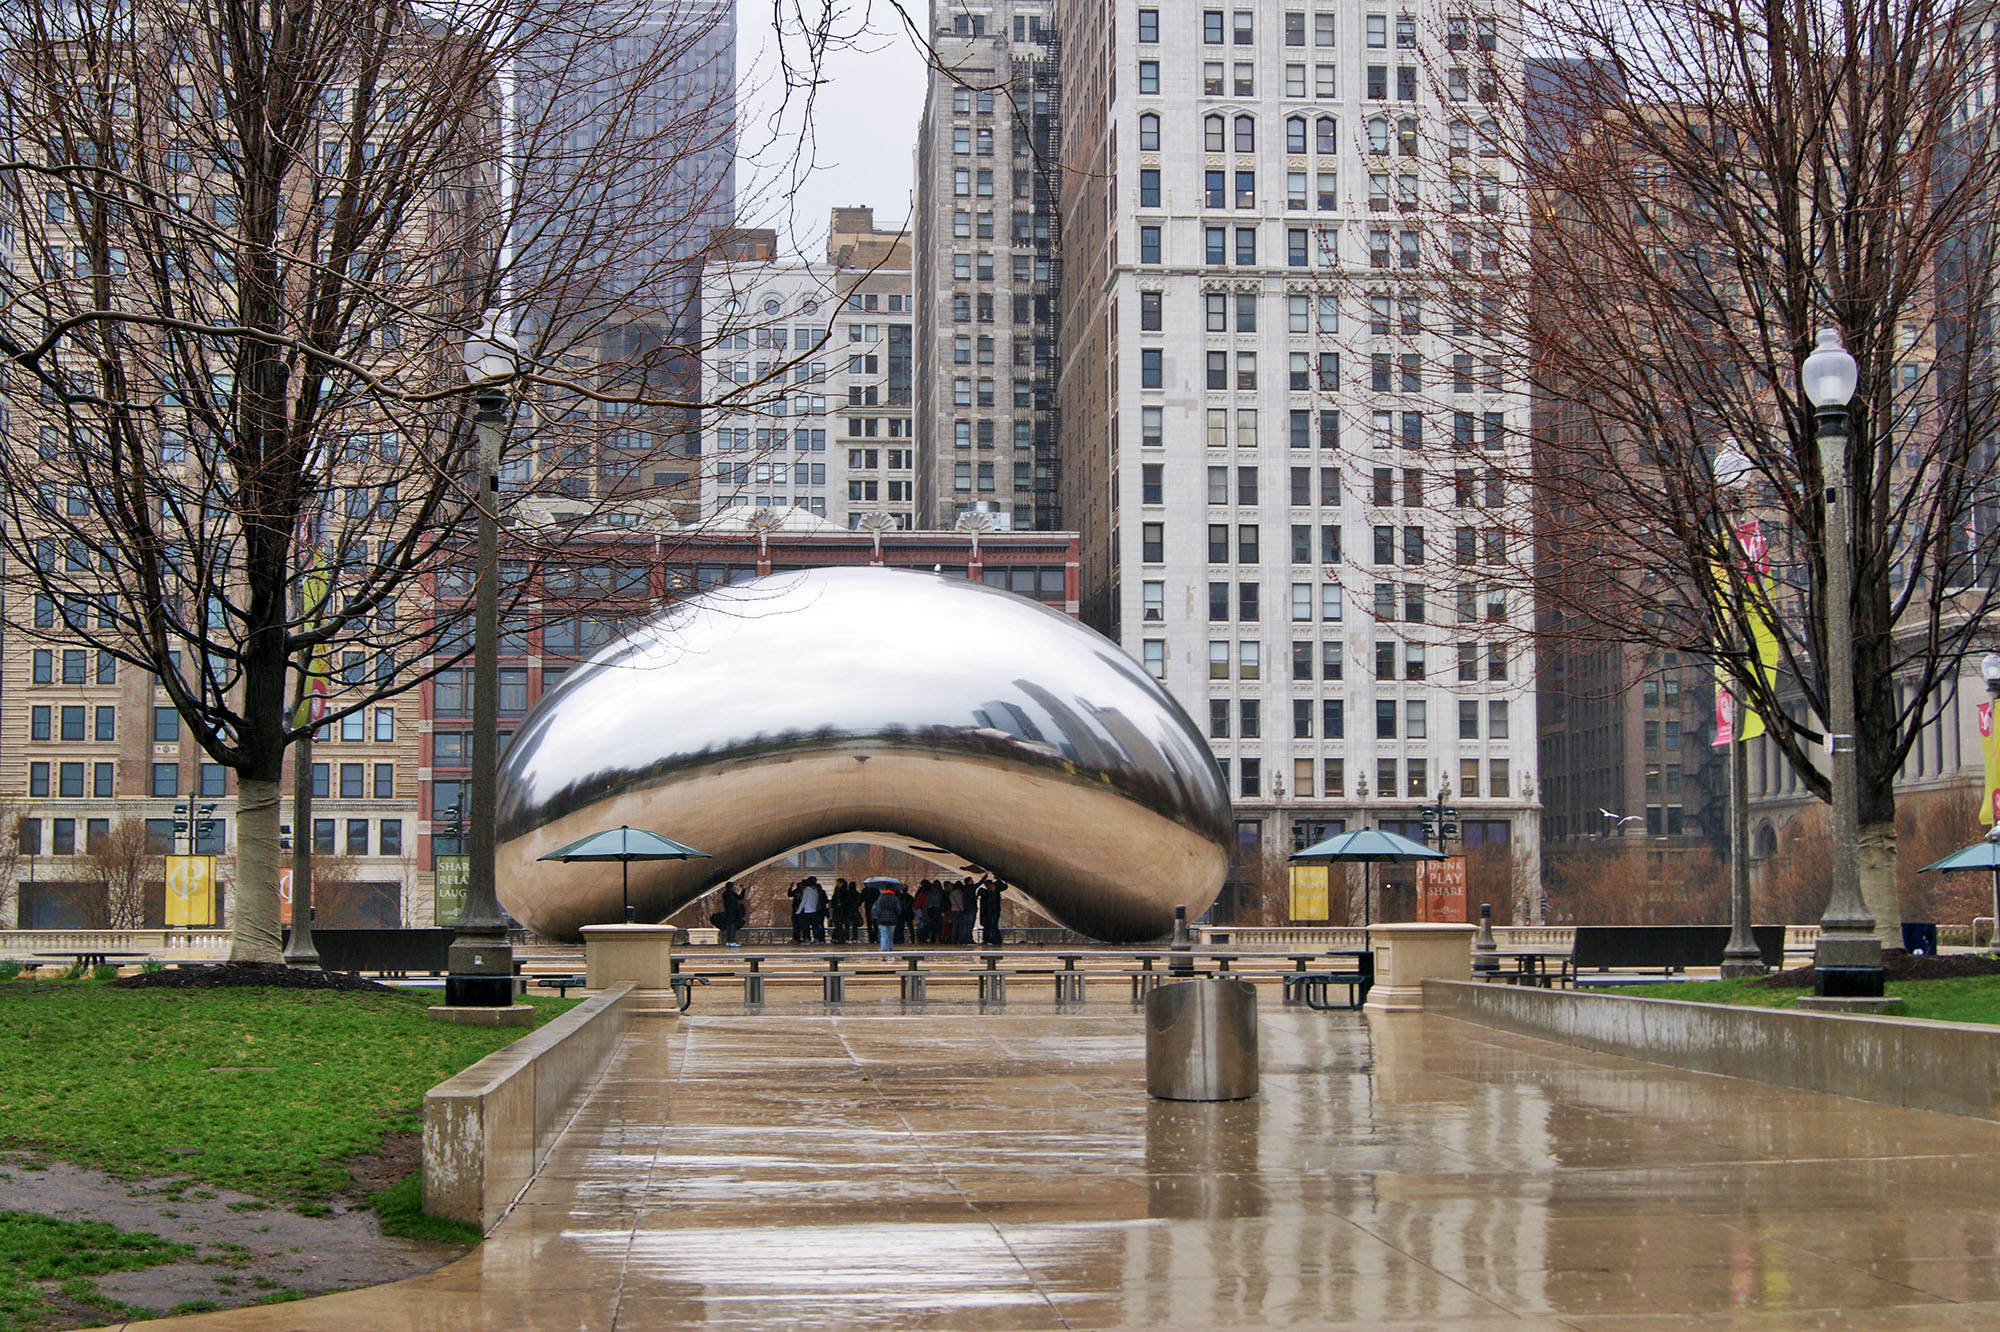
[1899,966]
[233,975]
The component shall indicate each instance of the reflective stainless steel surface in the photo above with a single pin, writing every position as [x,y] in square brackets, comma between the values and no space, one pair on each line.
[930,711]
[1201,1041]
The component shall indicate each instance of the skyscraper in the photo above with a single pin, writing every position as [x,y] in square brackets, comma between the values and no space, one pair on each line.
[1291,483]
[987,270]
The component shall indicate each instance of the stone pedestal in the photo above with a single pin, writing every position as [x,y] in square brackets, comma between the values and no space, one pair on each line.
[641,955]
[1408,955]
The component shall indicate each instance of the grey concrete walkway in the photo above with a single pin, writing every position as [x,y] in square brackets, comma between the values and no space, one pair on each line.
[795,1170]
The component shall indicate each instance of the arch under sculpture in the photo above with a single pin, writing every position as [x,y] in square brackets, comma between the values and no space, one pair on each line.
[927,711]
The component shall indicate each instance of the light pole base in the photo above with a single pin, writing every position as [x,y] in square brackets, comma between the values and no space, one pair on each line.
[304,957]
[1848,966]
[479,991]
[1847,982]
[479,973]
[1817,1004]
[1736,965]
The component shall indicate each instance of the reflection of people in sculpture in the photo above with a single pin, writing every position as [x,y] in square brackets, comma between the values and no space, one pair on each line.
[989,911]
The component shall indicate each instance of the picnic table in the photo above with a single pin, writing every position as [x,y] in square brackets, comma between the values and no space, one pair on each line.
[99,956]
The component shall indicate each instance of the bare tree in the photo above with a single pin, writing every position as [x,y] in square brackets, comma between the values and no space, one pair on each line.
[1707,186]
[131,871]
[249,242]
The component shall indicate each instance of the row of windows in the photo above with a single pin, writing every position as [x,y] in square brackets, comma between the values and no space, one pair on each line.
[1410,607]
[1398,250]
[77,666]
[962,434]
[1469,488]
[1461,30]
[1469,544]
[1414,783]
[161,839]
[1327,661]
[1407,719]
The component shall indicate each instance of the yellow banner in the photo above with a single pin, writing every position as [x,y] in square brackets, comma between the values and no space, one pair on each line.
[312,600]
[1989,806]
[1764,646]
[1308,892]
[190,890]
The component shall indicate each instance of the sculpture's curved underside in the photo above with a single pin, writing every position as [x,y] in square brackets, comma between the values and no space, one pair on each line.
[932,712]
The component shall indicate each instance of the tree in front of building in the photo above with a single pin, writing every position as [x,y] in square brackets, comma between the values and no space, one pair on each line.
[248,243]
[1707,189]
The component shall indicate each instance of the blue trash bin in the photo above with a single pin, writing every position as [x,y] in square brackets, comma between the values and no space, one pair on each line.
[1920,938]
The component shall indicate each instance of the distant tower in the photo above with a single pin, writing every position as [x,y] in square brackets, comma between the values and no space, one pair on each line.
[987,271]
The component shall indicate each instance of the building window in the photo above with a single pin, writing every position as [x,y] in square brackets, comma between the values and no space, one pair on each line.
[212,781]
[166,781]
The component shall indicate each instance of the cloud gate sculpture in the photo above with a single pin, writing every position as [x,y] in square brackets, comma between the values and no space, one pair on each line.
[862,704]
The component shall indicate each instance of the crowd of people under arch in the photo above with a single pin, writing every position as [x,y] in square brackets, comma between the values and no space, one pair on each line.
[938,912]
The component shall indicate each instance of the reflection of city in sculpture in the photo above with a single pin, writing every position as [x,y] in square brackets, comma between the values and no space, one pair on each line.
[867,704]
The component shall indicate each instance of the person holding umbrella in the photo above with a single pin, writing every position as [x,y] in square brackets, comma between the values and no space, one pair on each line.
[886,913]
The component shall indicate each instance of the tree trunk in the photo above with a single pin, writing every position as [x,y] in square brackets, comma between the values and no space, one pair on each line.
[253,910]
[1878,880]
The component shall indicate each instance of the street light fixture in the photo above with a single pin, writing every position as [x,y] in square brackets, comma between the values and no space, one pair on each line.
[480,962]
[1741,957]
[1848,961]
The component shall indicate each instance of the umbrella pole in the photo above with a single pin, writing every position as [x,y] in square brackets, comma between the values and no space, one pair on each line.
[625,887]
[1367,886]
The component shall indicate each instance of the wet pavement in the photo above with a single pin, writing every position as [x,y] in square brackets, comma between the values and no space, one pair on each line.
[987,1171]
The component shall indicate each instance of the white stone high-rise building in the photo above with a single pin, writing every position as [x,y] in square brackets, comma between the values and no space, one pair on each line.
[1287,474]
[808,372]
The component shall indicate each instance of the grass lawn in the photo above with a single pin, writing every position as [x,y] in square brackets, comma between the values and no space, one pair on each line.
[39,1252]
[265,1091]
[1966,999]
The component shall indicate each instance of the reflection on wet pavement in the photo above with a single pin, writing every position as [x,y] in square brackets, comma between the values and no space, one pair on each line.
[952,1170]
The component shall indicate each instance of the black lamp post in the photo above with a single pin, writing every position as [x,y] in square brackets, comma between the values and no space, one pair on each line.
[480,962]
[1848,961]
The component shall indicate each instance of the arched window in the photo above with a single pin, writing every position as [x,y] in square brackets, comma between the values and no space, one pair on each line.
[1211,134]
[1378,135]
[1295,134]
[1326,135]
[1246,134]
[1149,133]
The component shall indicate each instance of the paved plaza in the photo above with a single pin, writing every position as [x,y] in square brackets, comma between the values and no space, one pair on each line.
[958,1170]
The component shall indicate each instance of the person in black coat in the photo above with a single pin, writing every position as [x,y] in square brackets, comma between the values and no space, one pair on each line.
[989,912]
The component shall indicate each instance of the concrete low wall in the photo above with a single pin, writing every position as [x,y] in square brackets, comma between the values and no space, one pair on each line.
[1950,1067]
[487,1130]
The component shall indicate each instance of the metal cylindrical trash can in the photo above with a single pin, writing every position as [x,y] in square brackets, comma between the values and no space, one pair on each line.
[1201,1040]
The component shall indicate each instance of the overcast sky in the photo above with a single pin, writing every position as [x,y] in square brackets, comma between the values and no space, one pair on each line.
[861,137]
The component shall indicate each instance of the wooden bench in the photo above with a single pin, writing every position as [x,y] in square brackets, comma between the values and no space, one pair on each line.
[1666,949]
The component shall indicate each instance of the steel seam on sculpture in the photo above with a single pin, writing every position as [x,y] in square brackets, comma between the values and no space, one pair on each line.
[752,720]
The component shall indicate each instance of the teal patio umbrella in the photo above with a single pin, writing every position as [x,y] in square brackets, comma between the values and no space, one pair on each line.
[1983,854]
[624,844]
[1367,846]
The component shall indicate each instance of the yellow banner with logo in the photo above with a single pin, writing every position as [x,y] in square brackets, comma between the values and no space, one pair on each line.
[190,891]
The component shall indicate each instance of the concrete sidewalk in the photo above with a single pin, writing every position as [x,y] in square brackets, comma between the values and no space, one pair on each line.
[965,1171]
